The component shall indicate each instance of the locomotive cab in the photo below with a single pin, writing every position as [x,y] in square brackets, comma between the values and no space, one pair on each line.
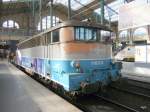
[84,34]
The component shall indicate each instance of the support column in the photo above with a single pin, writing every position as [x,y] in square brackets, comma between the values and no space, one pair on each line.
[69,9]
[40,12]
[1,3]
[46,22]
[33,28]
[131,36]
[51,13]
[102,11]
[148,30]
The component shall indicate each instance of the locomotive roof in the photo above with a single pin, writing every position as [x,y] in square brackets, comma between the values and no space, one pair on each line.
[69,24]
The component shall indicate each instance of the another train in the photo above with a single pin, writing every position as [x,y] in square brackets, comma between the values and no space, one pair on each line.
[126,53]
[134,42]
[75,57]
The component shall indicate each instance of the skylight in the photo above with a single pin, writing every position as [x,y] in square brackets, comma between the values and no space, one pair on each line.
[46,22]
[112,10]
[18,0]
[75,4]
[8,0]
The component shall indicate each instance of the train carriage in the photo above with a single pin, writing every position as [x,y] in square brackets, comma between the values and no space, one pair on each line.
[75,55]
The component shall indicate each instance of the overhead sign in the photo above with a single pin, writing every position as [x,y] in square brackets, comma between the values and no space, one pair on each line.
[133,15]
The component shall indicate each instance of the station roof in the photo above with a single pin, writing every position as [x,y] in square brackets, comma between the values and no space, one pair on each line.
[83,7]
[80,8]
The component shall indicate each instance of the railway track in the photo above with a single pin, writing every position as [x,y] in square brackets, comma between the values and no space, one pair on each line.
[128,101]
[95,103]
[139,83]
[132,94]
[118,104]
[134,87]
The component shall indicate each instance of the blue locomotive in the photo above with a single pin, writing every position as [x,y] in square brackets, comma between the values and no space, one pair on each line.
[76,56]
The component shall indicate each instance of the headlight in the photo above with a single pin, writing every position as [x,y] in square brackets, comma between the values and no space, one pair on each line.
[75,64]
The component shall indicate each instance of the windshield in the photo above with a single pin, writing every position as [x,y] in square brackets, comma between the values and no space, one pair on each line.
[91,34]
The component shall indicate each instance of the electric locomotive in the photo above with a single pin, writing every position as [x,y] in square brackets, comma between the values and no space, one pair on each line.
[75,56]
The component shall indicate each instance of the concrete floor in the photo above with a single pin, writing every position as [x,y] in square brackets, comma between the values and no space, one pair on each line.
[20,93]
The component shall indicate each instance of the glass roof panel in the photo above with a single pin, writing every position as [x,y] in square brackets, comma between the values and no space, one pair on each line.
[8,0]
[18,0]
[112,10]
[46,22]
[75,4]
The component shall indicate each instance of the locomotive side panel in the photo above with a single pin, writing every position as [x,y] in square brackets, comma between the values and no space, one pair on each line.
[66,34]
[83,50]
[33,52]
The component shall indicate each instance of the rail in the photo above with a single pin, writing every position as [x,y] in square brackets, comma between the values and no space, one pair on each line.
[118,104]
[129,93]
[134,92]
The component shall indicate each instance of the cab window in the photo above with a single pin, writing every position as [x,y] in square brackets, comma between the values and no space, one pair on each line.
[86,34]
[55,36]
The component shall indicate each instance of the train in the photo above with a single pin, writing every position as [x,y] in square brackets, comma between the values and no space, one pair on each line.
[126,54]
[133,42]
[74,56]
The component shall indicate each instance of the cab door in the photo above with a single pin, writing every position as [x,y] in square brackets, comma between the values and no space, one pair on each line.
[48,45]
[48,54]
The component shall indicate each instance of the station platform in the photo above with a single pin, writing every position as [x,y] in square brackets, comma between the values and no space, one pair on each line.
[20,93]
[134,71]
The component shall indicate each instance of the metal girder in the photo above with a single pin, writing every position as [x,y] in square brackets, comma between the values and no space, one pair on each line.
[8,11]
[85,9]
[102,11]
[21,7]
[91,7]
[13,8]
[80,14]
